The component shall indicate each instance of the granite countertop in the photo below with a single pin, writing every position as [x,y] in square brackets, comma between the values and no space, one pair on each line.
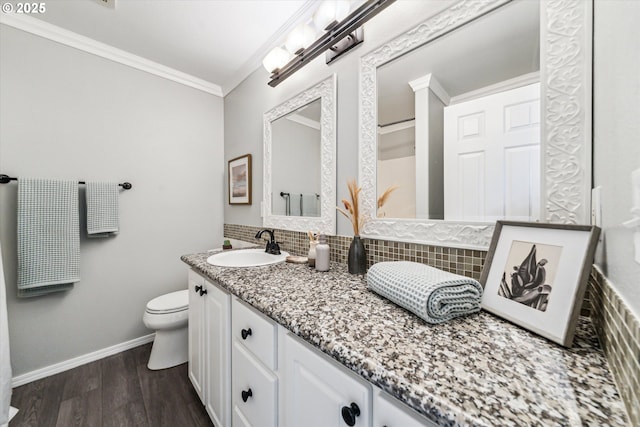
[476,370]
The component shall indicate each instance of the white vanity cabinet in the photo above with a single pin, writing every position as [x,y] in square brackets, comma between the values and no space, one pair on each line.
[254,383]
[210,346]
[317,391]
[251,372]
[389,412]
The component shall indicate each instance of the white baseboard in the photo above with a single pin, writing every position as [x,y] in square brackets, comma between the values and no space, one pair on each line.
[77,361]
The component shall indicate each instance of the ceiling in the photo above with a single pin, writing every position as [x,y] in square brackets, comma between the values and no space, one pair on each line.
[219,41]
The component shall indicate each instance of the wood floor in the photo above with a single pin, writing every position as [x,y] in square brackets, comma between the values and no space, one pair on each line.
[116,391]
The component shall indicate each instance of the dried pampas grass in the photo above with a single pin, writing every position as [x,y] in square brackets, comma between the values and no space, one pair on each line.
[352,208]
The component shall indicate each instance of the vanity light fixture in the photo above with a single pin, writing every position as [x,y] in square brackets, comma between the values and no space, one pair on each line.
[341,32]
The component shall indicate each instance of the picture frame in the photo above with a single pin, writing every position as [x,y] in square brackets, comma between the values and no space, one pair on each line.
[535,275]
[239,173]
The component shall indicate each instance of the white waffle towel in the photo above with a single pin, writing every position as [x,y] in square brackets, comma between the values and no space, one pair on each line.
[102,209]
[48,236]
[431,294]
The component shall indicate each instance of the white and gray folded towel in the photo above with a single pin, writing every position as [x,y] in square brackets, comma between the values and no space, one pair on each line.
[102,209]
[431,294]
[48,232]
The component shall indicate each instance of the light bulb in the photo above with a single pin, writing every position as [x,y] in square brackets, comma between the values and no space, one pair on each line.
[275,59]
[330,11]
[300,38]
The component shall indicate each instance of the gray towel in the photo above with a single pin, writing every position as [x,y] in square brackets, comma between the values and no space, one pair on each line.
[433,295]
[48,236]
[102,209]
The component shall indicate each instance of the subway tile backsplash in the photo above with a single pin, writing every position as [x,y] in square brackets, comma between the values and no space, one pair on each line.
[617,328]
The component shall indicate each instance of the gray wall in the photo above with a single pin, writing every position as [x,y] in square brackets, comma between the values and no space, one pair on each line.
[245,105]
[68,114]
[617,137]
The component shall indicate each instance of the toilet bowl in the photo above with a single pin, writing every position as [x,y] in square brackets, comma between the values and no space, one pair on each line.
[168,315]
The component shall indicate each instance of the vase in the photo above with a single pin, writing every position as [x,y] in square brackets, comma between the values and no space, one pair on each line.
[357,256]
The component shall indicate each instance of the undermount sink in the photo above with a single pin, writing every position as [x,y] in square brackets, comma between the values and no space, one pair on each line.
[246,258]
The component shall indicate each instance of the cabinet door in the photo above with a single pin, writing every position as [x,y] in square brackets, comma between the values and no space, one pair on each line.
[388,412]
[218,354]
[254,389]
[196,333]
[316,391]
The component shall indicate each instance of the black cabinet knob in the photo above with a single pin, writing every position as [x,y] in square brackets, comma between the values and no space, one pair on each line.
[198,288]
[245,333]
[350,413]
[246,395]
[203,291]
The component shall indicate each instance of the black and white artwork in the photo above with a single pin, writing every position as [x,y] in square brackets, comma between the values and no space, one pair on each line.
[529,273]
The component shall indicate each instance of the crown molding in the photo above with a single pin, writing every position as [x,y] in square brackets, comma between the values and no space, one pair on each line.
[86,44]
[429,81]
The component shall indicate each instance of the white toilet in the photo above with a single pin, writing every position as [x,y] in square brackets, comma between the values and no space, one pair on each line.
[169,315]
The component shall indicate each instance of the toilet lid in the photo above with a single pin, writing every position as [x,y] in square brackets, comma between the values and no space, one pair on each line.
[169,303]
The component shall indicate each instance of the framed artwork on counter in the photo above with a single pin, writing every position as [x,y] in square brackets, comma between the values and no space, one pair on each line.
[536,274]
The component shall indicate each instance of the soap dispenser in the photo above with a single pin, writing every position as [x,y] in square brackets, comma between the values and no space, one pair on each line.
[322,254]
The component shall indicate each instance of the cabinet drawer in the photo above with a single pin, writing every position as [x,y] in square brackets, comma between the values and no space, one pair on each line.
[255,331]
[251,381]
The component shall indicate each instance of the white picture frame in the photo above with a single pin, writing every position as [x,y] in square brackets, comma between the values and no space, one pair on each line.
[535,275]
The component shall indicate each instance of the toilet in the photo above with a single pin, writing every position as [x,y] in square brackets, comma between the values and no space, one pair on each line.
[168,315]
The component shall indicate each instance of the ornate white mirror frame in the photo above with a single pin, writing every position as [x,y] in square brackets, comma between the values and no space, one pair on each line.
[326,222]
[565,74]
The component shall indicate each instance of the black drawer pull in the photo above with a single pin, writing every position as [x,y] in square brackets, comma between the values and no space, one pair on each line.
[350,413]
[198,288]
[203,291]
[246,395]
[245,333]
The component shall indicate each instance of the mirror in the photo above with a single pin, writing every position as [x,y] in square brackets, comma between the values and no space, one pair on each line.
[295,145]
[454,113]
[300,161]
[468,52]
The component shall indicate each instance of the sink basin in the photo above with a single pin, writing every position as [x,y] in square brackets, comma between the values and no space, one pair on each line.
[246,258]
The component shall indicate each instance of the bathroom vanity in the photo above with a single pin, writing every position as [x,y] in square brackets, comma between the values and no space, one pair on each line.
[284,345]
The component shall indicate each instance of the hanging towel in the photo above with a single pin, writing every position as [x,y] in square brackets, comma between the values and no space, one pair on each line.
[432,294]
[48,236]
[102,209]
[311,205]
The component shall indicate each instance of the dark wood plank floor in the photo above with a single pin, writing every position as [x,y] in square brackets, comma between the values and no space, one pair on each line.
[116,391]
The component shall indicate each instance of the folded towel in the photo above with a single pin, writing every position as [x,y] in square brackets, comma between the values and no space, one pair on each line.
[48,236]
[102,209]
[431,294]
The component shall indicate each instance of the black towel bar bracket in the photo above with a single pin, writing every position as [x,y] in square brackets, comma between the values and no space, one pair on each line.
[4,179]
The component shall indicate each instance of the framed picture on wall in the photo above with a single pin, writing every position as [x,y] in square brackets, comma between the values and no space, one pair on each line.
[240,180]
[536,274]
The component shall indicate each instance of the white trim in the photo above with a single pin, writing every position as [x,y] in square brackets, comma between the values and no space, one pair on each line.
[86,44]
[78,361]
[430,81]
[514,83]
[383,130]
[297,118]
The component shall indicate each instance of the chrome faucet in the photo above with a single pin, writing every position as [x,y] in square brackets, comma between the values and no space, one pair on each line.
[272,246]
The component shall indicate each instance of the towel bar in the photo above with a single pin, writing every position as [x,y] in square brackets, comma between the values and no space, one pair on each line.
[4,179]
